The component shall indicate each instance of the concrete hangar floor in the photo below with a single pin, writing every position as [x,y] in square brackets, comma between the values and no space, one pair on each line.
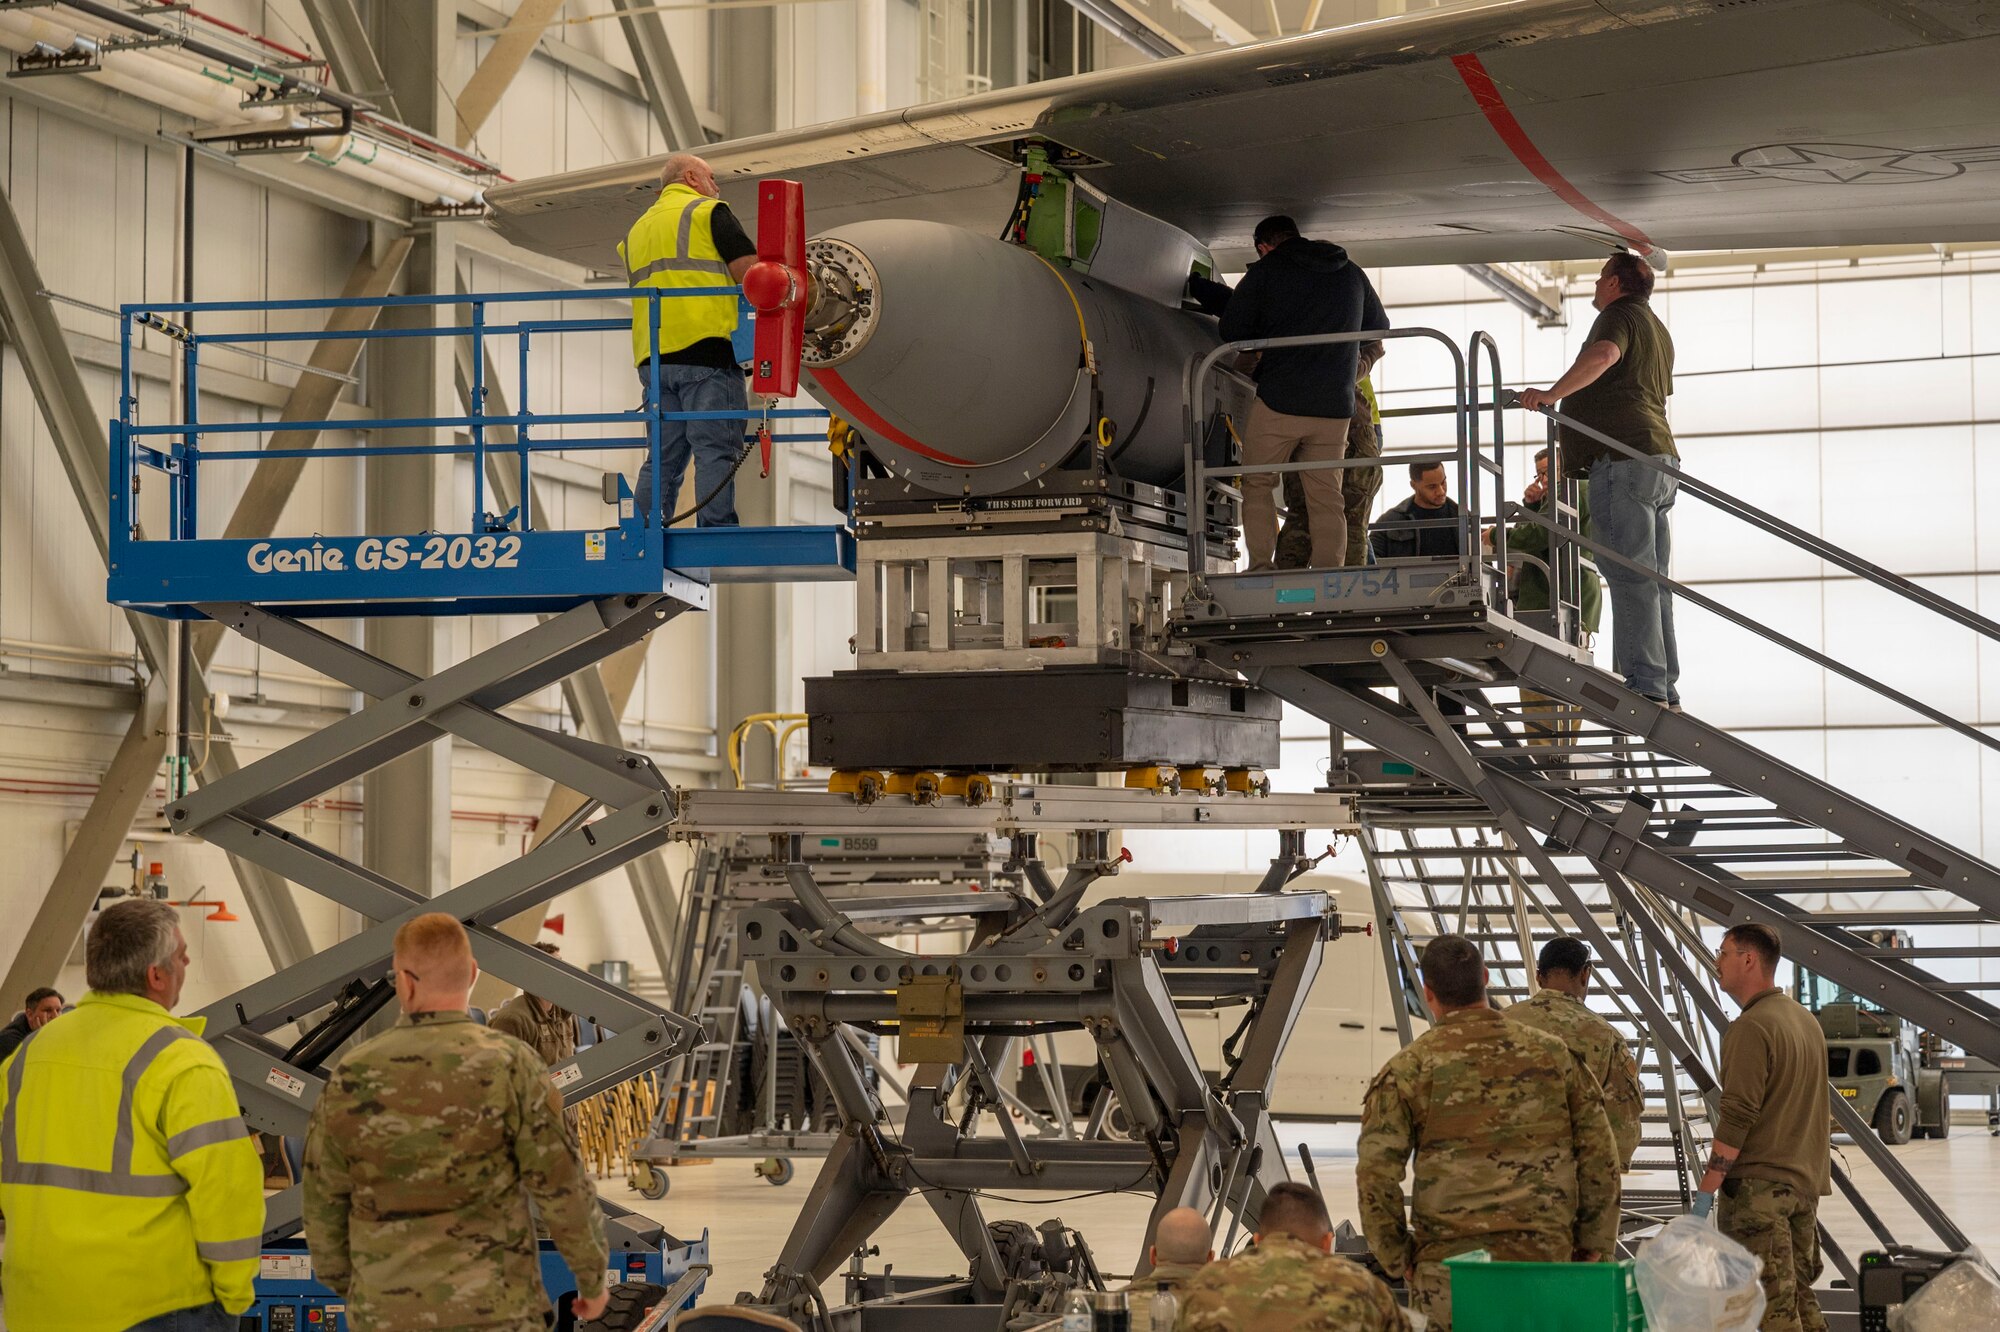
[748,1218]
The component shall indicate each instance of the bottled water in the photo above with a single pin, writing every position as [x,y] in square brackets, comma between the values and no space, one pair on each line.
[1076,1313]
[1163,1310]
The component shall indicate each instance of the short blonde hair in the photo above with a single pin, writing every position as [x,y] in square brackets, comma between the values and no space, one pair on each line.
[436,949]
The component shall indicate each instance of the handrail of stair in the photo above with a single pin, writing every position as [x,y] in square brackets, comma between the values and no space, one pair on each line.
[1198,481]
[1479,340]
[1778,527]
[1767,633]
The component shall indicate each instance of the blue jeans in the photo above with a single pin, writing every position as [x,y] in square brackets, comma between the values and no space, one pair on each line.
[714,444]
[207,1318]
[1629,506]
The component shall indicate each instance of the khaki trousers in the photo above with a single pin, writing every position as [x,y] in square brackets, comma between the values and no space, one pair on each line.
[1273,437]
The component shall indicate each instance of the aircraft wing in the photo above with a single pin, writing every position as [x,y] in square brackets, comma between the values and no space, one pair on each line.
[1493,131]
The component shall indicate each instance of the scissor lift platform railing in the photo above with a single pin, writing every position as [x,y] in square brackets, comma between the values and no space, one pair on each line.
[502,563]
[597,590]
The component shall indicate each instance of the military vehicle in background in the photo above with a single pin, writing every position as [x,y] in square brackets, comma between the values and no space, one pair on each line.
[1901,1080]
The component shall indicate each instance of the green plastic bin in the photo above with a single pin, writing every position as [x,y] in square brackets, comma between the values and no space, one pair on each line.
[1489,1296]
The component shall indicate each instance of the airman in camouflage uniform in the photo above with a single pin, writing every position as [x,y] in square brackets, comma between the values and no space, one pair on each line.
[1288,1282]
[551,1031]
[1514,1154]
[1563,971]
[1357,484]
[1180,1248]
[423,1154]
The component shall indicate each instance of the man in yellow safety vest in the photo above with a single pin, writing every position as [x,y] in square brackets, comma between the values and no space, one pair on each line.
[120,1126]
[689,239]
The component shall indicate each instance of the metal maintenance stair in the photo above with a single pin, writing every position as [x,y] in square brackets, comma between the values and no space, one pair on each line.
[1636,823]
[1507,785]
[1449,873]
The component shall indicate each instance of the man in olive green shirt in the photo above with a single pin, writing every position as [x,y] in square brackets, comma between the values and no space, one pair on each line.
[1619,386]
[1528,537]
[1772,1143]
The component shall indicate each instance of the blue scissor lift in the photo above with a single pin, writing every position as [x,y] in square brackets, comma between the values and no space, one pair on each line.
[596,589]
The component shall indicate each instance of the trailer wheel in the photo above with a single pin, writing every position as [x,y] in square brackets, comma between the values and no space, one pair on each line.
[630,1302]
[1893,1117]
[653,1184]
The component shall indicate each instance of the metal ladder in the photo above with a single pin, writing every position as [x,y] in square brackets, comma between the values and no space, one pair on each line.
[703,1094]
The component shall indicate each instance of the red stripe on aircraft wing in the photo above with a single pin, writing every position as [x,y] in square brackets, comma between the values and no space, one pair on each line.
[1494,107]
[871,420]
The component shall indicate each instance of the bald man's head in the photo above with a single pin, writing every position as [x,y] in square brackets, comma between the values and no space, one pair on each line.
[1183,1237]
[1296,1210]
[689,170]
[434,966]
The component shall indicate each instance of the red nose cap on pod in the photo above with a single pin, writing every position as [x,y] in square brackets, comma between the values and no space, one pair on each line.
[771,287]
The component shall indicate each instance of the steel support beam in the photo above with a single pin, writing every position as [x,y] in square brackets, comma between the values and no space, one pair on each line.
[666,91]
[476,14]
[46,943]
[1137,30]
[343,39]
[406,816]
[495,74]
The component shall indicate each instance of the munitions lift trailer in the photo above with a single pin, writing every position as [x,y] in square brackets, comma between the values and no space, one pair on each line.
[597,589]
[922,873]
[1037,964]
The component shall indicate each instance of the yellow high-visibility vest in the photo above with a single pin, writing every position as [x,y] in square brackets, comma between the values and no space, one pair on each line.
[673,247]
[1366,392]
[121,1144]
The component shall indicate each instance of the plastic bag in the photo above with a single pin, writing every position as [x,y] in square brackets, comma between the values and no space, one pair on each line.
[1965,1295]
[1693,1278]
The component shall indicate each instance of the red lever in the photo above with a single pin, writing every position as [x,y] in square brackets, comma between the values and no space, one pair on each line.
[776,288]
[1125,854]
[764,447]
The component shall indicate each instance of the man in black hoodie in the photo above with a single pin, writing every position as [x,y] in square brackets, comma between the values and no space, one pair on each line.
[1305,395]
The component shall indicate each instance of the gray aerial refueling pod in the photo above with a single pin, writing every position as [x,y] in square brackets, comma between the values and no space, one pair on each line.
[969,363]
